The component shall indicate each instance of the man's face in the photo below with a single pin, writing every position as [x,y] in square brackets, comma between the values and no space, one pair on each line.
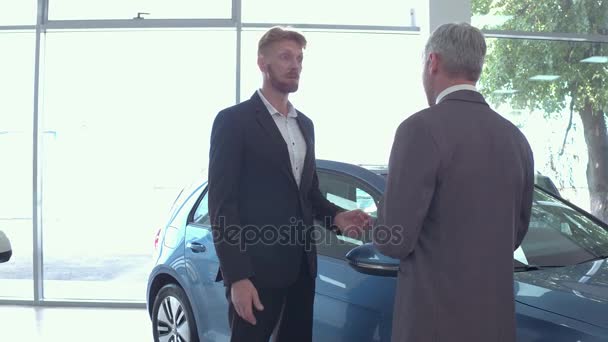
[281,64]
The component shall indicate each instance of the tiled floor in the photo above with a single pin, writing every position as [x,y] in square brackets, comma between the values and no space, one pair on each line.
[50,324]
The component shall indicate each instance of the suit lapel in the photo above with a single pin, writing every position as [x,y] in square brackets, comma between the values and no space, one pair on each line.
[308,159]
[280,154]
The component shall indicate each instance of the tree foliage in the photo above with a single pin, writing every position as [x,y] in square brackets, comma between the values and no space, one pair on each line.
[512,62]
[580,88]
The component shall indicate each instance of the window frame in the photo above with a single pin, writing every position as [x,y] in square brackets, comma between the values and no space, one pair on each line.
[190,220]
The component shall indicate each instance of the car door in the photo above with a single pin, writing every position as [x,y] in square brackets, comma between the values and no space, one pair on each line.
[349,306]
[202,265]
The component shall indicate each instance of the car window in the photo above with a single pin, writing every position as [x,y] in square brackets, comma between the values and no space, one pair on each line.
[560,235]
[348,193]
[184,194]
[201,214]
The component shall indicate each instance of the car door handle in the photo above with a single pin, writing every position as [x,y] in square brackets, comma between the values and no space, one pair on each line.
[196,247]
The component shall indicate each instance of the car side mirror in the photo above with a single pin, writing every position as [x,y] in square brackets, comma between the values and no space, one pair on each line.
[5,248]
[366,259]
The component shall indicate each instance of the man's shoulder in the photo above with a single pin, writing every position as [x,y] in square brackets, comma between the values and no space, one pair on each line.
[236,112]
[447,108]
[418,119]
[242,107]
[494,119]
[505,123]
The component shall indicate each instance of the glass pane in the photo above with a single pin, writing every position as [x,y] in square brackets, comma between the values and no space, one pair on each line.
[366,203]
[16,94]
[556,93]
[589,17]
[559,235]
[18,12]
[132,114]
[201,215]
[337,12]
[121,9]
[344,192]
[356,92]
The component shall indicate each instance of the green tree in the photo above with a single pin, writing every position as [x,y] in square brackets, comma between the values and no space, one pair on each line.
[581,89]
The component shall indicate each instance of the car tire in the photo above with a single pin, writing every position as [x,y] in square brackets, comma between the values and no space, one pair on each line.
[172,317]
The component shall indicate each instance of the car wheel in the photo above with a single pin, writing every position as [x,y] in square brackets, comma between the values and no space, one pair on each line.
[172,317]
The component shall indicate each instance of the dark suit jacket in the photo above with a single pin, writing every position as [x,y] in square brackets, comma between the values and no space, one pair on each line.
[261,220]
[458,202]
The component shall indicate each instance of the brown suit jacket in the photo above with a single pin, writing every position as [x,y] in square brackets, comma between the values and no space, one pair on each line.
[457,204]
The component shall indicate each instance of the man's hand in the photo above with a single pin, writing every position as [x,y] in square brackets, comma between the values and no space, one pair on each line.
[244,297]
[353,223]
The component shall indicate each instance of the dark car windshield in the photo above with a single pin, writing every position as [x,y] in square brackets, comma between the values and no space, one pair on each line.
[560,235]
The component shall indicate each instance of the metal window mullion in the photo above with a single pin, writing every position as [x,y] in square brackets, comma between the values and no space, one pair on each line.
[329,27]
[137,23]
[18,28]
[17,302]
[94,304]
[571,37]
[45,11]
[37,250]
[237,7]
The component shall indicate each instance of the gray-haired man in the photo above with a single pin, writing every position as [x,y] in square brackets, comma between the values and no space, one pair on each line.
[457,204]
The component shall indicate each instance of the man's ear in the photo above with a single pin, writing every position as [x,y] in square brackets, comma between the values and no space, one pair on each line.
[262,63]
[434,60]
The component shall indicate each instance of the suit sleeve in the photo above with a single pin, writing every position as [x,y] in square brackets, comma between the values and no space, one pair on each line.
[413,166]
[526,200]
[225,162]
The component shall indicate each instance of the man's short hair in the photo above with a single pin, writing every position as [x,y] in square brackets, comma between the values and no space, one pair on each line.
[277,34]
[462,48]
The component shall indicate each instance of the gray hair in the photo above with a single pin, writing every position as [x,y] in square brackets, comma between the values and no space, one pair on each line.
[462,48]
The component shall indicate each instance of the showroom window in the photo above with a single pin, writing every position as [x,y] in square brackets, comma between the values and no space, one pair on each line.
[126,93]
[16,93]
[336,12]
[18,12]
[130,110]
[129,9]
[546,71]
[586,17]
[356,92]
[551,91]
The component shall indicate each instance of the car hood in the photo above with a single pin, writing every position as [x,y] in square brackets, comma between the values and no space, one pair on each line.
[579,292]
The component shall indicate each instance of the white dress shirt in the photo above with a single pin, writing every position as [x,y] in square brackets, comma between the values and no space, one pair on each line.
[454,88]
[290,130]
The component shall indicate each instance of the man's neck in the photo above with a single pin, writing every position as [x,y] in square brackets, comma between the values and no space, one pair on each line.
[277,99]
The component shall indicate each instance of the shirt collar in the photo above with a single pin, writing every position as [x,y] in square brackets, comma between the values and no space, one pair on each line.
[273,111]
[454,88]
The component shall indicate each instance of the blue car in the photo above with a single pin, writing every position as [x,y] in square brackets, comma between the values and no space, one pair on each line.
[561,275]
